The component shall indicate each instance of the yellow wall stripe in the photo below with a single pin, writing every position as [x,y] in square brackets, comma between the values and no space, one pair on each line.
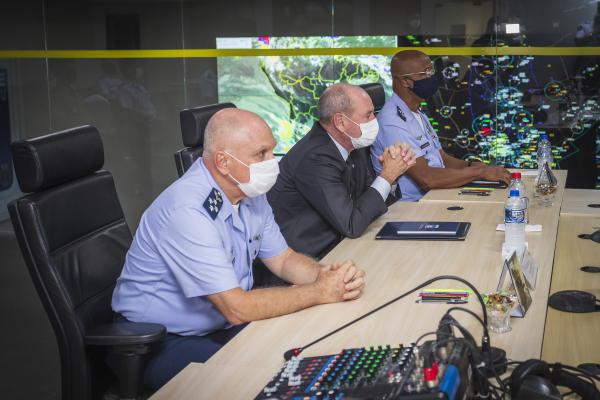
[387,51]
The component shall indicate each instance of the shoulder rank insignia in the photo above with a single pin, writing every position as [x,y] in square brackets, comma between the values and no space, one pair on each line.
[213,203]
[400,113]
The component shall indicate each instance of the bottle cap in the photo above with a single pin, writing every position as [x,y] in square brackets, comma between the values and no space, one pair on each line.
[543,136]
[514,193]
[515,175]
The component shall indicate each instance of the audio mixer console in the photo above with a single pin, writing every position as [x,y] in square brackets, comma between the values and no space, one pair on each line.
[415,372]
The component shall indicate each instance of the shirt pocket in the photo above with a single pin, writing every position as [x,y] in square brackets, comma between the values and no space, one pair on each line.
[254,243]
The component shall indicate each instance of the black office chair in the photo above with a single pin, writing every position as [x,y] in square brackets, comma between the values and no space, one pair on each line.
[193,122]
[73,236]
[377,94]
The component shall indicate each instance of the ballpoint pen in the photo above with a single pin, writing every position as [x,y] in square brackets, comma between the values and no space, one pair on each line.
[475,193]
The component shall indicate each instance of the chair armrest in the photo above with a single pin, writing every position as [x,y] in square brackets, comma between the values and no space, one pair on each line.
[125,333]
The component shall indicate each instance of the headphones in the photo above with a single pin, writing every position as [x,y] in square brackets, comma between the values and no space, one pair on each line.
[536,379]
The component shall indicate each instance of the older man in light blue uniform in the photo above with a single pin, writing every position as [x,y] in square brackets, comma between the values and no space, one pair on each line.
[186,249]
[401,120]
[190,264]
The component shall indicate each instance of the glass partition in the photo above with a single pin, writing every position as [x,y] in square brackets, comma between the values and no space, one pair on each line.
[510,70]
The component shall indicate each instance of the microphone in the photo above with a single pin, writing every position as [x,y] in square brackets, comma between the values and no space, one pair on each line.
[295,352]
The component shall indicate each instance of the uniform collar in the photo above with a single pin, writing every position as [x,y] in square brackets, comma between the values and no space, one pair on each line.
[227,208]
[404,107]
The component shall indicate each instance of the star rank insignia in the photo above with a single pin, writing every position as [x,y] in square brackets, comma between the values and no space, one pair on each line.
[213,203]
[401,113]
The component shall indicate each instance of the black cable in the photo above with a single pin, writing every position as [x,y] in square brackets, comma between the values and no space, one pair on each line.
[486,344]
[483,385]
[474,348]
[582,371]
[485,328]
[589,379]
[422,336]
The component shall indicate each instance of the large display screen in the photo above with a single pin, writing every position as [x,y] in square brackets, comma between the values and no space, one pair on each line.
[285,90]
[491,108]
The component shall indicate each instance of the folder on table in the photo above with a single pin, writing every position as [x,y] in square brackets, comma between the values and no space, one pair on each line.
[424,230]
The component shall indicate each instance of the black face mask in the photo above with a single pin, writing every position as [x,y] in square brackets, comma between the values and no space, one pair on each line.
[425,88]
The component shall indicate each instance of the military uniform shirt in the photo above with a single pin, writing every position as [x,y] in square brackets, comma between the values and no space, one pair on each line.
[398,124]
[190,244]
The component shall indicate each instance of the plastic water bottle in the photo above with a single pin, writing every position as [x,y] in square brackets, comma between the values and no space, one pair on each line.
[517,184]
[544,152]
[514,223]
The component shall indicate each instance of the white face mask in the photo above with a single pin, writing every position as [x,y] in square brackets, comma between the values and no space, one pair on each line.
[263,176]
[368,132]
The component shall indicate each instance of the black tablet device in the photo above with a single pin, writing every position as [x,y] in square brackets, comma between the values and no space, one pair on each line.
[481,183]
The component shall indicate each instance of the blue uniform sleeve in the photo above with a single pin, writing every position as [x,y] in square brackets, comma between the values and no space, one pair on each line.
[392,130]
[193,249]
[401,133]
[273,242]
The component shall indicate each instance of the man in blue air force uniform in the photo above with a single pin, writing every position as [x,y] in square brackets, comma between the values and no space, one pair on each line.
[401,120]
[190,264]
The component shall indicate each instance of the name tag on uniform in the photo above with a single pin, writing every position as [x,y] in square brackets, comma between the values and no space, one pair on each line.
[425,145]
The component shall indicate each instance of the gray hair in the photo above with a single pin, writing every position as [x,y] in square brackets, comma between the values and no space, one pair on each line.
[336,98]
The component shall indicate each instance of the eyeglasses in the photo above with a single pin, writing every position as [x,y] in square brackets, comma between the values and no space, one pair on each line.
[429,72]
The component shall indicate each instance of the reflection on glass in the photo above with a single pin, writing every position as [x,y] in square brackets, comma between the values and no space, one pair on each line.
[492,107]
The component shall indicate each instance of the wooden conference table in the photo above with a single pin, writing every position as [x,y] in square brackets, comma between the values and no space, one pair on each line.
[498,195]
[576,202]
[574,338]
[242,367]
[569,338]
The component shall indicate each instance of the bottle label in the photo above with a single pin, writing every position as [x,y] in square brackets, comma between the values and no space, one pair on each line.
[514,216]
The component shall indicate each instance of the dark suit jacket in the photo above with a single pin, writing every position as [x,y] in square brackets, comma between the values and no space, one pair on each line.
[319,199]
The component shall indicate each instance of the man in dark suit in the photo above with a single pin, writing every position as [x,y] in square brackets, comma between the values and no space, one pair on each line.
[326,189]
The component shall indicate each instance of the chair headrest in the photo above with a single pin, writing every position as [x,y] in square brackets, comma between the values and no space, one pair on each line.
[50,160]
[194,120]
[376,93]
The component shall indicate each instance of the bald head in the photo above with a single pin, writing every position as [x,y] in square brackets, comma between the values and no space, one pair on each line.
[235,139]
[232,128]
[340,98]
[409,61]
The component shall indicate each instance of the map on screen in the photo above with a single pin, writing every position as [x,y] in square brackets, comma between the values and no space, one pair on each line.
[488,108]
[284,90]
